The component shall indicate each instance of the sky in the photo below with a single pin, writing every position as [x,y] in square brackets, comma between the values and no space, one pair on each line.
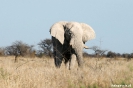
[29,21]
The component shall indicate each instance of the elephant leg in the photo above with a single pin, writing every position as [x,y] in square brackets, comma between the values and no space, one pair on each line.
[67,65]
[72,61]
[58,61]
[57,49]
[67,57]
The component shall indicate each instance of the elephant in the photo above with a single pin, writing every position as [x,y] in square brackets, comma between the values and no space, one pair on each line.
[69,40]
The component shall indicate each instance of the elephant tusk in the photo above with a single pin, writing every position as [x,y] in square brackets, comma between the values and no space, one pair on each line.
[86,47]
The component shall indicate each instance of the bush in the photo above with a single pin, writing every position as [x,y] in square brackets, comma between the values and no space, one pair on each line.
[111,54]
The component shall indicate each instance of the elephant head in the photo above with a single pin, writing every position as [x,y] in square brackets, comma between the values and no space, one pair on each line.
[75,33]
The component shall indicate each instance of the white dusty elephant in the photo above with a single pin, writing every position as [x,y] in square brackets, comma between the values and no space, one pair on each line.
[69,40]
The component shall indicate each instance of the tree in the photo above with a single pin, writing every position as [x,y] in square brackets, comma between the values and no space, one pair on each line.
[31,52]
[111,54]
[98,51]
[127,56]
[118,55]
[2,51]
[18,48]
[131,55]
[46,46]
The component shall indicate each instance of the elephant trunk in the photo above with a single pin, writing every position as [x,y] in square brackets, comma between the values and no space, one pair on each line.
[78,47]
[79,58]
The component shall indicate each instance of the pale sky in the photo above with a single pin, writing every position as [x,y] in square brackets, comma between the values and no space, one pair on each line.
[30,21]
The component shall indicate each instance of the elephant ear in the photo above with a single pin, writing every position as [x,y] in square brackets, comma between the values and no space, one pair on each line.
[57,31]
[88,32]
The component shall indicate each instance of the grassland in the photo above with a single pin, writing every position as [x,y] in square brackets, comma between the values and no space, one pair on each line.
[41,73]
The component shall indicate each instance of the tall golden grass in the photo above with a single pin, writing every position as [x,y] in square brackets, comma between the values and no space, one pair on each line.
[41,73]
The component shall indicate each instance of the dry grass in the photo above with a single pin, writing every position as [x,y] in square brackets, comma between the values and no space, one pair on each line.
[41,73]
